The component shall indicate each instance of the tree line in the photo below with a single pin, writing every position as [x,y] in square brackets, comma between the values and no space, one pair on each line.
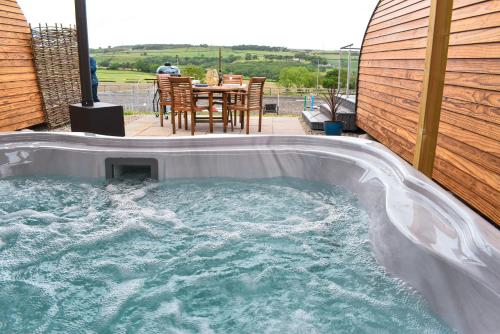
[134,47]
[259,48]
[242,47]
[231,63]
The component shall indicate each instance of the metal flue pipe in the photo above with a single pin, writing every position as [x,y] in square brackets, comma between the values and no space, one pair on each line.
[83,53]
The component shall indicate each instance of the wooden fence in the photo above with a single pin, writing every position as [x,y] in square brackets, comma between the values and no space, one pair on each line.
[55,50]
[390,87]
[20,99]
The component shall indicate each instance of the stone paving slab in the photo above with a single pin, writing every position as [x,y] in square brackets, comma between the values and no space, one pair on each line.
[150,126]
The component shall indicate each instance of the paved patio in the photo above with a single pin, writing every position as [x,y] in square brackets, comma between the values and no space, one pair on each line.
[150,126]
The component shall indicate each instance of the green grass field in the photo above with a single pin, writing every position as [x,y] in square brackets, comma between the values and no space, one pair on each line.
[133,63]
[122,76]
[133,55]
[194,51]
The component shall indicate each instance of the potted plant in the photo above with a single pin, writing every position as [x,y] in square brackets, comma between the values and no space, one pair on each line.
[333,98]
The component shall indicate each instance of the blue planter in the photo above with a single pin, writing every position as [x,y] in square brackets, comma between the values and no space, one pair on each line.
[333,128]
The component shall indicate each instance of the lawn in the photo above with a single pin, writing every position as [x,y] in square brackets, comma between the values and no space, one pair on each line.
[193,51]
[122,76]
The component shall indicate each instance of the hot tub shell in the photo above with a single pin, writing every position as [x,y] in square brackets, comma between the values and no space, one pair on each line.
[419,232]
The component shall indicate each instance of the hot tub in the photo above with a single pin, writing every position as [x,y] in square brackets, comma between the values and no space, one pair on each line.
[418,232]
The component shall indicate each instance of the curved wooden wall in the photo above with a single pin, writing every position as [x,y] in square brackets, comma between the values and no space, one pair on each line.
[20,99]
[390,84]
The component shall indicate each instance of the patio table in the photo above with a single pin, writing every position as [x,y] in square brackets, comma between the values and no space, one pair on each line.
[224,90]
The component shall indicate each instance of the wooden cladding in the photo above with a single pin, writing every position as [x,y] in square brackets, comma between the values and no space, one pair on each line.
[390,85]
[20,99]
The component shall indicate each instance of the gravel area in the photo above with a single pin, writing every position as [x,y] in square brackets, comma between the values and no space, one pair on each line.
[289,105]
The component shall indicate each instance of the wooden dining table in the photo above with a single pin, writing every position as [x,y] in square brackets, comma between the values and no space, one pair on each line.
[225,90]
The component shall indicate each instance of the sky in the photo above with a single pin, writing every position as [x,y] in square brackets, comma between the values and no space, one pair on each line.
[311,24]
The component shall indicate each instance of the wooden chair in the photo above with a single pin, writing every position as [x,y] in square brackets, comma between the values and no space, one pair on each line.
[165,99]
[250,101]
[233,79]
[183,101]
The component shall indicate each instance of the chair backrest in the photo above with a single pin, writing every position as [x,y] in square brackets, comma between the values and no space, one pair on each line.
[232,79]
[181,91]
[164,86]
[255,93]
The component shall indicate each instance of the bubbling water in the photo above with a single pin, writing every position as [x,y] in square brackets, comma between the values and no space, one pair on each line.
[194,256]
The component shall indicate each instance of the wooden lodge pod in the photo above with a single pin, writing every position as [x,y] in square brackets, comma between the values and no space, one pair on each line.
[20,98]
[391,73]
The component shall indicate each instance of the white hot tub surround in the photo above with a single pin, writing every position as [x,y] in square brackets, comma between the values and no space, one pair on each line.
[418,231]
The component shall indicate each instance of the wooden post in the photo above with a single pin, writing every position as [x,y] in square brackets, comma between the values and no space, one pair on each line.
[83,52]
[432,94]
[220,67]
[220,60]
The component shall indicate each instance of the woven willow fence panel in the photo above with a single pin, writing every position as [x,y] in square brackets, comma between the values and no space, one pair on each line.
[55,49]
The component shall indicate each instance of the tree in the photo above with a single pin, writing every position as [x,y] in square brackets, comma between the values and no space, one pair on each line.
[142,65]
[331,79]
[231,58]
[105,63]
[248,56]
[195,72]
[287,78]
[114,66]
[299,77]
[300,55]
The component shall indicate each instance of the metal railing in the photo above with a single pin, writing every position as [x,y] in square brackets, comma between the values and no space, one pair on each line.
[349,49]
